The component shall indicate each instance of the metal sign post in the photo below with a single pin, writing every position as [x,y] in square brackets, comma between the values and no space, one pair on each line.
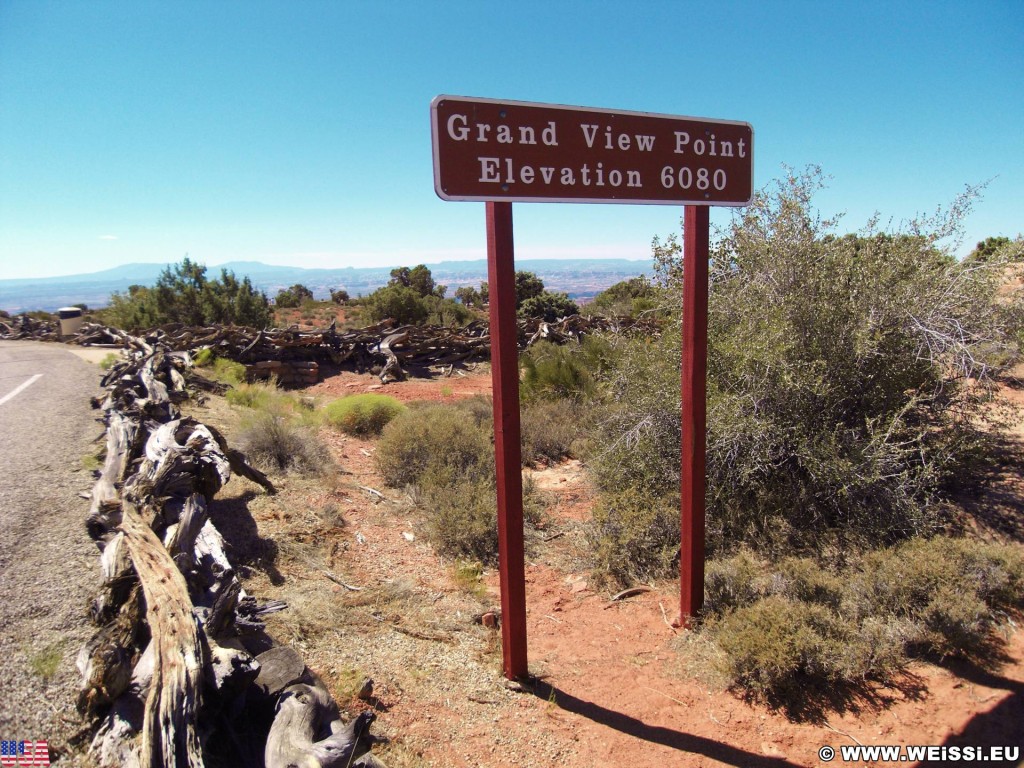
[499,152]
[694,409]
[501,281]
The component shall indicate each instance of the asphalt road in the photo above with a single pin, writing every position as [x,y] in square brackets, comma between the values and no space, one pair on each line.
[49,568]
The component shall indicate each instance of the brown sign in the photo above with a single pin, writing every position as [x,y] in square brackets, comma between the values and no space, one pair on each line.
[519,151]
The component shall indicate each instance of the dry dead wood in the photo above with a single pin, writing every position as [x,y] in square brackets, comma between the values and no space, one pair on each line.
[307,731]
[169,735]
[294,356]
[172,648]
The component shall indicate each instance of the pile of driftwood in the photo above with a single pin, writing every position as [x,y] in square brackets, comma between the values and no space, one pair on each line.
[180,670]
[26,327]
[387,350]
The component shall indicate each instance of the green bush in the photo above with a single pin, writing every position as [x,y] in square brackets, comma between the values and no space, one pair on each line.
[204,357]
[434,439]
[365,414]
[555,371]
[627,298]
[479,408]
[228,371]
[779,649]
[296,296]
[734,582]
[259,396]
[549,306]
[461,514]
[183,294]
[395,302]
[838,410]
[952,590]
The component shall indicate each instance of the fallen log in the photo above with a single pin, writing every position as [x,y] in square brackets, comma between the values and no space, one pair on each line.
[169,735]
[171,665]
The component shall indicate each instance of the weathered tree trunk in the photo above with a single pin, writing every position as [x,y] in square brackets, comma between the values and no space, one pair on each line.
[169,737]
[180,598]
[392,368]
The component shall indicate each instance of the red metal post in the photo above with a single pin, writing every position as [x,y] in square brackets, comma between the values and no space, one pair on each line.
[507,451]
[694,408]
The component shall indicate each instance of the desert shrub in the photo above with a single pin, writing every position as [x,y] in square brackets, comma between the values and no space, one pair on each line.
[635,538]
[446,312]
[257,395]
[395,302]
[109,360]
[295,296]
[839,412]
[779,649]
[447,456]
[461,514]
[528,286]
[795,630]
[988,248]
[204,357]
[479,408]
[228,371]
[952,590]
[276,442]
[267,397]
[434,439]
[412,296]
[549,428]
[554,371]
[365,414]
[734,582]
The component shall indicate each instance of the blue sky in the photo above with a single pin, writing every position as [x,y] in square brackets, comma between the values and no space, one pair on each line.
[298,132]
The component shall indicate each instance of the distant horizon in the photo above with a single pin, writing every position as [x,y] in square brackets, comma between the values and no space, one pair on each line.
[581,278]
[265,263]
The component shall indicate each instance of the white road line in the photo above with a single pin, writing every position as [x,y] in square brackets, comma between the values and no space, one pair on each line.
[20,389]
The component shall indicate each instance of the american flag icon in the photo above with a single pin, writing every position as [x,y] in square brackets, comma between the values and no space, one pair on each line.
[24,753]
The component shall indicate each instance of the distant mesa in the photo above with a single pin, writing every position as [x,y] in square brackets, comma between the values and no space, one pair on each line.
[582,279]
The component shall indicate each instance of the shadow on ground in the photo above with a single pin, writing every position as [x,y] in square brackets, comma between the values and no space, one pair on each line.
[244,545]
[1000,725]
[655,734]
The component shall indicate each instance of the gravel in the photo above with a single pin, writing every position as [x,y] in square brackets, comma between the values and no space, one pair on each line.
[49,568]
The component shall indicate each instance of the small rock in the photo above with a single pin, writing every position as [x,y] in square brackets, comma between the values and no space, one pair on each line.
[579,586]
[408,536]
[489,620]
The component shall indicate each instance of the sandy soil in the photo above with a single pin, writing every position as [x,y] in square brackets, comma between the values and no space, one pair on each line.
[618,685]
